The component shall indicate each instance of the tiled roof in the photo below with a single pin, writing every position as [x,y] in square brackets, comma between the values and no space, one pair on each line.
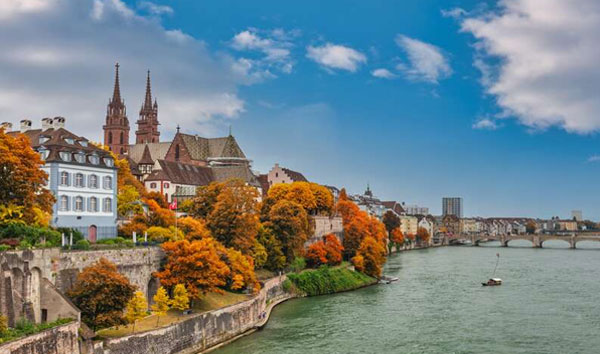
[182,173]
[294,175]
[158,151]
[57,141]
[393,205]
[146,157]
[243,172]
[204,148]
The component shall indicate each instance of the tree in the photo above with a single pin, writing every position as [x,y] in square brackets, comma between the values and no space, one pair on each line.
[323,198]
[196,264]
[159,198]
[370,257]
[234,218]
[205,200]
[397,237]
[316,254]
[354,232]
[180,300]
[391,221]
[3,324]
[21,179]
[161,303]
[242,271]
[530,227]
[101,293]
[275,257]
[193,229]
[259,254]
[128,201]
[289,222]
[423,235]
[162,234]
[136,308]
[334,249]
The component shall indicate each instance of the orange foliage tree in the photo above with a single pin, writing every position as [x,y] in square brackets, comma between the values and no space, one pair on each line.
[101,293]
[370,257]
[196,264]
[316,254]
[193,229]
[397,237]
[21,179]
[313,197]
[242,271]
[334,249]
[423,235]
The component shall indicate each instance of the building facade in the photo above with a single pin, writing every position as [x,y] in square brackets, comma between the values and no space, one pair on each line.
[82,177]
[452,206]
[415,209]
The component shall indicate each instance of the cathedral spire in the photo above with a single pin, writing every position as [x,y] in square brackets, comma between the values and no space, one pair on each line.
[148,99]
[117,90]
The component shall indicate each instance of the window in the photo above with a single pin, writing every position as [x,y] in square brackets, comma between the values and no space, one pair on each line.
[107,182]
[64,203]
[108,162]
[166,185]
[43,139]
[80,157]
[79,180]
[44,153]
[110,137]
[65,156]
[177,152]
[121,139]
[93,204]
[78,204]
[64,178]
[153,185]
[83,143]
[94,159]
[107,205]
[69,141]
[93,181]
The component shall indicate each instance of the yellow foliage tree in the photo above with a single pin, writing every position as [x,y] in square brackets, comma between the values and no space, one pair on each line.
[181,300]
[161,303]
[193,229]
[242,271]
[136,308]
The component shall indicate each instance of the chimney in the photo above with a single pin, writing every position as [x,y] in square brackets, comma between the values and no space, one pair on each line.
[7,126]
[25,125]
[58,122]
[46,123]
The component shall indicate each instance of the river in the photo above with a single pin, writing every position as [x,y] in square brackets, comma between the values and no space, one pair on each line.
[547,304]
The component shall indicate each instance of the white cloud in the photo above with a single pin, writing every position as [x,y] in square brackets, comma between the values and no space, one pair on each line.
[544,56]
[53,69]
[335,56]
[426,62]
[275,49]
[456,12]
[155,9]
[11,8]
[485,124]
[594,158]
[383,73]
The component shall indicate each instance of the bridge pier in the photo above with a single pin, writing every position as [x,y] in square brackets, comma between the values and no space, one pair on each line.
[537,242]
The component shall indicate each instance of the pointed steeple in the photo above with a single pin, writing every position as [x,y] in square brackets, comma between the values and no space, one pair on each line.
[148,99]
[117,90]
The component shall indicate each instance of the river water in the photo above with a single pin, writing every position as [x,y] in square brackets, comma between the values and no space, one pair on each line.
[549,303]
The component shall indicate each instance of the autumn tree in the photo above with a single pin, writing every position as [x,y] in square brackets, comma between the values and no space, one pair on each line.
[316,254]
[161,303]
[21,179]
[162,234]
[128,201]
[101,293]
[136,308]
[370,257]
[180,300]
[196,264]
[397,237]
[275,259]
[289,222]
[530,227]
[423,235]
[334,249]
[159,198]
[193,229]
[205,200]
[323,198]
[314,198]
[242,271]
[234,219]
[391,221]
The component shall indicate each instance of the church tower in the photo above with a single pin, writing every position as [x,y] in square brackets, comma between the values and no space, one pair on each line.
[116,129]
[148,123]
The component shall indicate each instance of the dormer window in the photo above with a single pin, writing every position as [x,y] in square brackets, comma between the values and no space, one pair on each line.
[70,141]
[94,159]
[80,157]
[109,162]
[44,153]
[65,156]
[43,139]
[83,143]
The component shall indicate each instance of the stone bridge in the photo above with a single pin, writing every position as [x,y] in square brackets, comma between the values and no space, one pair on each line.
[537,240]
[33,282]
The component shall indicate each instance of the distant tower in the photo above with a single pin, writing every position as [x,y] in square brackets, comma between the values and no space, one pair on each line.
[148,123]
[116,129]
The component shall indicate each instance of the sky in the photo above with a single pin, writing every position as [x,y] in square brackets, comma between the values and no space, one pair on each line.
[493,101]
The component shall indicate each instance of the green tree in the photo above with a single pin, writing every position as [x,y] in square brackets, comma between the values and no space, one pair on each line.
[391,221]
[136,308]
[161,303]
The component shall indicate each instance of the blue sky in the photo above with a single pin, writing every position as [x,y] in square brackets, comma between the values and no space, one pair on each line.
[482,100]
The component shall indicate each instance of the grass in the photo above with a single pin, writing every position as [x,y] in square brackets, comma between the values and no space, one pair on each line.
[209,302]
[327,280]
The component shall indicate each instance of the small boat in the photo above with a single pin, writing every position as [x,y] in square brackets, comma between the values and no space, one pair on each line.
[387,280]
[493,282]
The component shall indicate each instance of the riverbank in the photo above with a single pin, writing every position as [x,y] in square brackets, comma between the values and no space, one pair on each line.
[327,280]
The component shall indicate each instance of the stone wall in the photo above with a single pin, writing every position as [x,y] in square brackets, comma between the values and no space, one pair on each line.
[324,225]
[200,331]
[58,340]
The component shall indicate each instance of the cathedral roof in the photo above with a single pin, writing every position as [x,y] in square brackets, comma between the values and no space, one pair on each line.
[146,157]
[158,151]
[204,148]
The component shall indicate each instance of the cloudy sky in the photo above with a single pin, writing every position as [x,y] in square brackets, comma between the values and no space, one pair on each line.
[496,102]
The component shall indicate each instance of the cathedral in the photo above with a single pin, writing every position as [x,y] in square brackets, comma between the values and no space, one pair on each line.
[173,168]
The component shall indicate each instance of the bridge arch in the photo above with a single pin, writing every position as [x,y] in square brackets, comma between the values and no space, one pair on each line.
[554,239]
[35,295]
[586,241]
[507,241]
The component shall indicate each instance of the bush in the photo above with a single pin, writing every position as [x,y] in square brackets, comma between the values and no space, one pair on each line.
[4,248]
[298,264]
[77,235]
[106,241]
[24,245]
[25,328]
[32,234]
[326,280]
[82,245]
[128,243]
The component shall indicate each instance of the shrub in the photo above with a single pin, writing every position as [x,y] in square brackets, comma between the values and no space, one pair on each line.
[327,280]
[128,243]
[82,245]
[24,245]
[298,264]
[32,234]
[4,248]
